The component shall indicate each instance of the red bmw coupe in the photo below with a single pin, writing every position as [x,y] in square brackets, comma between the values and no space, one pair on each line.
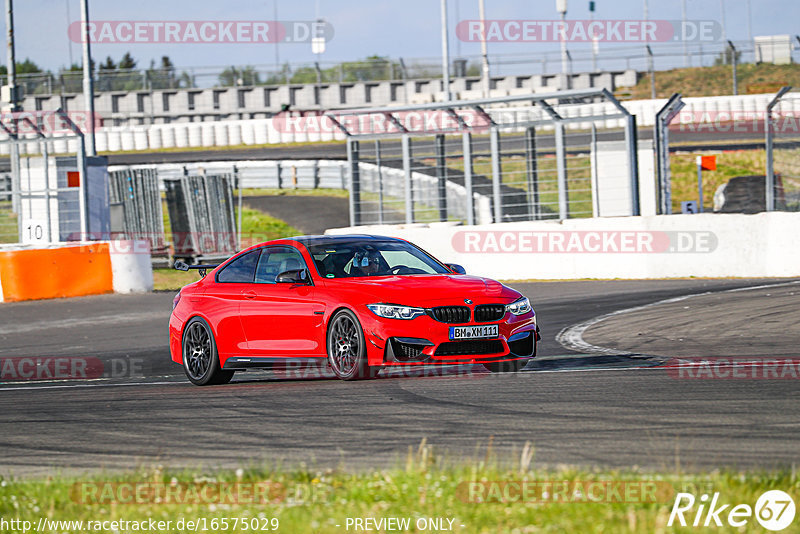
[362,302]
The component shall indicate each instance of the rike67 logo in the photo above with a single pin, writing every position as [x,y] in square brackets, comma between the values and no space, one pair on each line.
[774,510]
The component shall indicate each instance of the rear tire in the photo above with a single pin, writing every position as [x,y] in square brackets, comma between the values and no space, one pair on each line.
[347,348]
[200,357]
[514,366]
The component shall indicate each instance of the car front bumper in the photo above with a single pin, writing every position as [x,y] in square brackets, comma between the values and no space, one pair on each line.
[424,340]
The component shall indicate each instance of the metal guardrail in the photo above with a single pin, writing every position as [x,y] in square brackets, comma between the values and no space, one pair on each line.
[783,151]
[490,155]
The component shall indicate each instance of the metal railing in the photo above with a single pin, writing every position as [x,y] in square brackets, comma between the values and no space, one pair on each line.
[783,151]
[458,162]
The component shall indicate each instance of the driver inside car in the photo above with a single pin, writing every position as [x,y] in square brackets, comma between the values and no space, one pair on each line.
[366,263]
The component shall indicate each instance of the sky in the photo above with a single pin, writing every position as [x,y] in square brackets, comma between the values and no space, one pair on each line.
[407,28]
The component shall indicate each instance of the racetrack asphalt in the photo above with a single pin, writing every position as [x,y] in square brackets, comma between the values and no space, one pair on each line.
[584,409]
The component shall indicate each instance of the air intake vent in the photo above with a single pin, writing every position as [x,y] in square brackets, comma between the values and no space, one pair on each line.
[451,314]
[471,347]
[489,312]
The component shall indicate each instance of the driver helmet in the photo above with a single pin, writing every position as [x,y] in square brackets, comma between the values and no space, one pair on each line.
[364,258]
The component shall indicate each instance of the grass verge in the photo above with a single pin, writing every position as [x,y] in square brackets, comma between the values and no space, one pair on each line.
[426,485]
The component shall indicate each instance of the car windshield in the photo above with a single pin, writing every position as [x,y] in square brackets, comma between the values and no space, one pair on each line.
[372,258]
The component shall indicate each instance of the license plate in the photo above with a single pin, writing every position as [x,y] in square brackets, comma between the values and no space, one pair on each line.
[474,332]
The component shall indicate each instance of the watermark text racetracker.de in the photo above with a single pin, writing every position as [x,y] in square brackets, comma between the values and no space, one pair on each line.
[200,31]
[583,242]
[615,31]
[734,369]
[45,368]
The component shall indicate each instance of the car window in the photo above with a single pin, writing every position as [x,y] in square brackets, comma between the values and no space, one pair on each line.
[372,258]
[395,258]
[277,260]
[242,269]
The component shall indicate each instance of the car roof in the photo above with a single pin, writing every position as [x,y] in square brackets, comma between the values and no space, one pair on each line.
[310,240]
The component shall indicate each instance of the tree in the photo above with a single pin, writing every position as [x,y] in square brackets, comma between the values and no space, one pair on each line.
[26,67]
[108,64]
[127,62]
[233,76]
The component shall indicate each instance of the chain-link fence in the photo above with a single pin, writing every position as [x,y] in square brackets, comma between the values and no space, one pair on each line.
[783,151]
[469,162]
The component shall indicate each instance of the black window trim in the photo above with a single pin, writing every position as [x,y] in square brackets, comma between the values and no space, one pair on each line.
[260,250]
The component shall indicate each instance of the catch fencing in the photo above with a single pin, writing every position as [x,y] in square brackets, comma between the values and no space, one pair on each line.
[462,161]
[783,151]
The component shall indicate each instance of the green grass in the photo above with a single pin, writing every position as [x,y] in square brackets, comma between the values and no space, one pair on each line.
[715,81]
[321,192]
[426,484]
[9,232]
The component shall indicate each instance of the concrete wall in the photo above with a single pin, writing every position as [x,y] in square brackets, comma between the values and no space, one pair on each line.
[74,269]
[665,246]
[131,108]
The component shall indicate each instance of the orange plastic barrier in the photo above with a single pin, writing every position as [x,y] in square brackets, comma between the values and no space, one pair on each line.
[69,271]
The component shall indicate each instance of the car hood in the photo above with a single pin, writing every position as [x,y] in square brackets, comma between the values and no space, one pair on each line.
[429,290]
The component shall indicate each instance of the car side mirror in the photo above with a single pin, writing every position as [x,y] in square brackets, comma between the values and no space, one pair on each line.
[456,268]
[295,276]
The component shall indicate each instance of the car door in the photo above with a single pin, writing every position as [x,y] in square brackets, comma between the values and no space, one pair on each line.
[282,320]
[223,299]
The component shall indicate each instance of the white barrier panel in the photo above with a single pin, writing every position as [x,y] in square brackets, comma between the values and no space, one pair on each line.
[59,145]
[167,136]
[207,133]
[195,135]
[126,140]
[273,135]
[101,140]
[154,138]
[248,133]
[114,142]
[220,134]
[235,133]
[140,141]
[261,137]
[131,267]
[663,246]
[181,135]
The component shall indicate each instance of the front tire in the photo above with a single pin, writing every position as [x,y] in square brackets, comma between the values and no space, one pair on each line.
[347,348]
[514,366]
[200,357]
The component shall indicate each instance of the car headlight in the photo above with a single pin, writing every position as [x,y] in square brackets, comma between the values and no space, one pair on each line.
[391,311]
[519,307]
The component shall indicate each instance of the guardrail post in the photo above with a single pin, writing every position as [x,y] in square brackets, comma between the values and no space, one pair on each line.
[494,142]
[355,197]
[532,166]
[561,166]
[441,175]
[380,180]
[594,173]
[633,162]
[409,192]
[770,178]
[466,138]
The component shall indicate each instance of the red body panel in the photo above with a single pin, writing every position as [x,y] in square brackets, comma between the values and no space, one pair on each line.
[290,320]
